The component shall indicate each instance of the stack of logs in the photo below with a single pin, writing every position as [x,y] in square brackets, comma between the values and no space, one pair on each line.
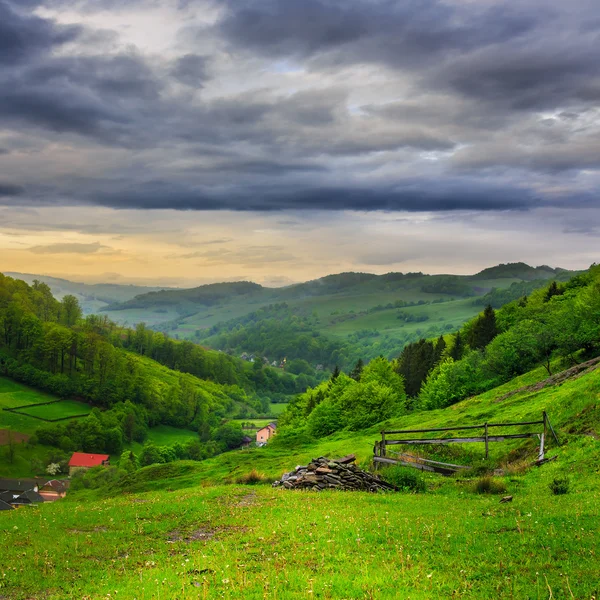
[324,473]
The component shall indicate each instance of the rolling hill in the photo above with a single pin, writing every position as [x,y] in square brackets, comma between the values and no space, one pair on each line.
[345,308]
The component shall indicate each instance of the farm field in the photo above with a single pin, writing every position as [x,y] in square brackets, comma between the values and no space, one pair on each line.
[13,394]
[450,314]
[164,435]
[59,410]
[176,531]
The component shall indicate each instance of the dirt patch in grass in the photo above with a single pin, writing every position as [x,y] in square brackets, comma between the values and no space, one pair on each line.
[198,535]
[17,437]
[202,534]
[247,500]
[98,529]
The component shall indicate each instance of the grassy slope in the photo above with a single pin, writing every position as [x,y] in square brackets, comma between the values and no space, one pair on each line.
[13,394]
[235,541]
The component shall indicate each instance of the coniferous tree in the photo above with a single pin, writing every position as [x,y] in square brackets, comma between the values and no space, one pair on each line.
[357,370]
[336,373]
[484,329]
[440,346]
[553,290]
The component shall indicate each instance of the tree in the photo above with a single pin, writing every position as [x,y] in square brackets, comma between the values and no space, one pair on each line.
[70,310]
[553,290]
[458,348]
[440,346]
[357,370]
[230,435]
[483,330]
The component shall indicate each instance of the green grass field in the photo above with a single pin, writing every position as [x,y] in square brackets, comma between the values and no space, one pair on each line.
[177,531]
[164,435]
[59,410]
[14,394]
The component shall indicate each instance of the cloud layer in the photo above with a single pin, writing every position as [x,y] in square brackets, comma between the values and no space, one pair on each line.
[265,105]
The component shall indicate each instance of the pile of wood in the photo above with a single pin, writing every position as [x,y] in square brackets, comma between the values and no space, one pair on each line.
[340,474]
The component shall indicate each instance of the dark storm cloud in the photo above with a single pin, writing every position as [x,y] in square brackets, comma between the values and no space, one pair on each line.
[9,189]
[414,196]
[191,70]
[23,36]
[408,33]
[267,107]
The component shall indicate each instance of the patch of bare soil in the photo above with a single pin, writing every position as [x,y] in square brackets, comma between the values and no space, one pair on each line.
[247,500]
[198,535]
[17,438]
[572,373]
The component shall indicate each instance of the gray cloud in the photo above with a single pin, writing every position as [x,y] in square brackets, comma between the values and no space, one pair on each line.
[367,105]
[23,36]
[9,189]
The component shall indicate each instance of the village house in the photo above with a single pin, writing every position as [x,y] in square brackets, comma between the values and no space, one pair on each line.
[19,492]
[246,441]
[265,434]
[54,490]
[81,460]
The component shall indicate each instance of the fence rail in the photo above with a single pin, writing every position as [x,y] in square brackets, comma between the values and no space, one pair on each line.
[380,449]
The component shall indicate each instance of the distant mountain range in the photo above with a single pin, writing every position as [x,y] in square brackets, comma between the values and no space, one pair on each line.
[357,295]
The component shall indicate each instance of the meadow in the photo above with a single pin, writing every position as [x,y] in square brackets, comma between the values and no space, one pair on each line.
[188,530]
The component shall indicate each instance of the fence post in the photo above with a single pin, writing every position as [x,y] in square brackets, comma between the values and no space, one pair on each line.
[486,441]
[382,449]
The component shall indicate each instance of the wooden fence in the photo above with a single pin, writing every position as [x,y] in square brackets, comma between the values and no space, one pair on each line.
[389,438]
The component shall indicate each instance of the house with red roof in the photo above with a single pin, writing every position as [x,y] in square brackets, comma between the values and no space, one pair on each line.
[81,460]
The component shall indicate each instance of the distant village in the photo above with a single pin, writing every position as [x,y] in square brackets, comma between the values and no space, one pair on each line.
[16,493]
[266,361]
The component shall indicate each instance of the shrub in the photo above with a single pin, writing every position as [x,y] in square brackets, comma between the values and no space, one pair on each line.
[560,485]
[489,485]
[251,478]
[405,478]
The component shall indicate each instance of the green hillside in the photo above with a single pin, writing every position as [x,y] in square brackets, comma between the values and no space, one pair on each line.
[186,311]
[169,535]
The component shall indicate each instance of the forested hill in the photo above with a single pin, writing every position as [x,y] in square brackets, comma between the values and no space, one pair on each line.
[378,313]
[136,378]
[554,328]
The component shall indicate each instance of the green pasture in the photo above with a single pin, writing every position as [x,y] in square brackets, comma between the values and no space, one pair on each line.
[59,410]
[165,435]
[258,542]
[453,313]
[13,394]
[277,409]
[178,531]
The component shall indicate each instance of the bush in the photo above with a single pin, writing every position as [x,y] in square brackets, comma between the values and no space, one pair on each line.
[405,478]
[489,485]
[560,485]
[251,478]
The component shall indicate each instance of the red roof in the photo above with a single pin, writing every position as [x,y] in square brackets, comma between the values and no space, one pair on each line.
[80,459]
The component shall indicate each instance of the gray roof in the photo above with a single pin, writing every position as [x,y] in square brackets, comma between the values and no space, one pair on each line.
[17,485]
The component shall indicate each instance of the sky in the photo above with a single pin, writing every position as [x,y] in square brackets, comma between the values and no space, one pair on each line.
[181,142]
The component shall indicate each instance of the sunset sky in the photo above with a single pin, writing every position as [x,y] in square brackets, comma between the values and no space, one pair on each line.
[180,142]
